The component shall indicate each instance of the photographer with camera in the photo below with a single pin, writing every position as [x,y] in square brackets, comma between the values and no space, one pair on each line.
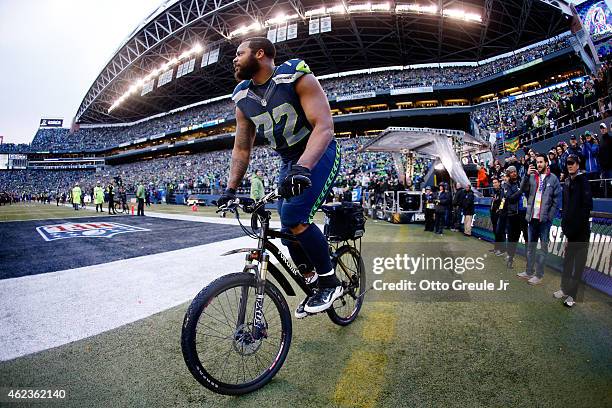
[542,188]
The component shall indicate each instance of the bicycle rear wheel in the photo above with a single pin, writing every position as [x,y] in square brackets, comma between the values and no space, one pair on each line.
[351,272]
[218,342]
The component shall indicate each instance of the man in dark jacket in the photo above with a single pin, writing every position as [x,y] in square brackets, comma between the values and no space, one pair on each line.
[574,148]
[429,208]
[495,203]
[468,210]
[577,206]
[605,158]
[590,153]
[111,199]
[443,202]
[457,204]
[510,214]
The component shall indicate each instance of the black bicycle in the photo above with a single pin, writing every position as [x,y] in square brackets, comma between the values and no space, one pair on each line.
[237,331]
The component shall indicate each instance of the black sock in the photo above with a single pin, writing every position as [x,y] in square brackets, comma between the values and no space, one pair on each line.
[315,246]
[300,259]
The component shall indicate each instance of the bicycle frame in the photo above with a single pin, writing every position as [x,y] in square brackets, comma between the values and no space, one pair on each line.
[262,255]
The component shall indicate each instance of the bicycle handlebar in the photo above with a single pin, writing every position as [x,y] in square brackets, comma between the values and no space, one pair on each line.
[248,205]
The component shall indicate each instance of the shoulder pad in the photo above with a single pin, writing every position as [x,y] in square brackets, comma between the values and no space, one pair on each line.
[291,70]
[240,91]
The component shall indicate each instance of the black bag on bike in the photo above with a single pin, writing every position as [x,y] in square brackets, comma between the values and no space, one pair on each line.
[343,221]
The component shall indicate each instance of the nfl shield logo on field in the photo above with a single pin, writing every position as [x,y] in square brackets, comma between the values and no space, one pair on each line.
[85,230]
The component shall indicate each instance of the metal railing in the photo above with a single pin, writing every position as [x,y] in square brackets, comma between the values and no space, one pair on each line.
[600,188]
[580,117]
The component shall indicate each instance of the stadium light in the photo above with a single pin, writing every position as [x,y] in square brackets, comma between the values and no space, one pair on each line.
[339,9]
[315,12]
[416,8]
[197,48]
[381,7]
[256,26]
[461,15]
[280,19]
[355,8]
[138,84]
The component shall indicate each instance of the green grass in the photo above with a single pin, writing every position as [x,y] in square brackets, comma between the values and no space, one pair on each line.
[35,211]
[416,351]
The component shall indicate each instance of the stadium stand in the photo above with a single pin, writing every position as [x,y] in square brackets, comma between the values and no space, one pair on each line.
[205,172]
[106,137]
[548,113]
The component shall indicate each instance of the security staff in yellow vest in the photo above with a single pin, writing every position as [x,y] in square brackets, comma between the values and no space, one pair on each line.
[76,196]
[99,197]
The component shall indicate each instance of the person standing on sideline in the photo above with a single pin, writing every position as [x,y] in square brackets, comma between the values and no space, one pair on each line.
[76,197]
[140,196]
[468,210]
[257,187]
[605,159]
[148,193]
[543,190]
[429,209]
[99,197]
[577,206]
[111,199]
[457,204]
[512,215]
[442,203]
[495,211]
[123,199]
[590,152]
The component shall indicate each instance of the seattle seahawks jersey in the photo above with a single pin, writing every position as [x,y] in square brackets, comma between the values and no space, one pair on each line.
[275,109]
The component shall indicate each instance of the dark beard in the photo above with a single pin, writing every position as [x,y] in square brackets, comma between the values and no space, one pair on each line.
[248,71]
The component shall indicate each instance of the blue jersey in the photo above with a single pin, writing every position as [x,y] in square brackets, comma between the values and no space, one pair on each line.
[275,109]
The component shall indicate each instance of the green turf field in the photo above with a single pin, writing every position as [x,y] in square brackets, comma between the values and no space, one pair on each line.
[414,352]
[35,211]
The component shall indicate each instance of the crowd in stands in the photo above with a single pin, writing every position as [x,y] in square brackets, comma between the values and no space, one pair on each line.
[207,173]
[549,113]
[102,138]
[593,150]
[87,139]
[438,76]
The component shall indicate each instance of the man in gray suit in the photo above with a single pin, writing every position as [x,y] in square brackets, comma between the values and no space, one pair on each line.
[543,191]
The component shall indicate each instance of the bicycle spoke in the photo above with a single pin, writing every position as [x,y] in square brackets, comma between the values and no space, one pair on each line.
[220,321]
[234,357]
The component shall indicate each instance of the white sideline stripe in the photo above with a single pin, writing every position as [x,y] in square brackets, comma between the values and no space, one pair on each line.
[52,309]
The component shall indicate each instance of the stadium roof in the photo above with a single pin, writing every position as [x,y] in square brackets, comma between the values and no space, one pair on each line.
[363,35]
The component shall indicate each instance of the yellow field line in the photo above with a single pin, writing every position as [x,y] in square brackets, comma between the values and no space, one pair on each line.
[363,377]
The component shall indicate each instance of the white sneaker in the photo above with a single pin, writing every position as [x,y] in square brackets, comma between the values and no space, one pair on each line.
[323,299]
[559,294]
[300,313]
[523,275]
[569,301]
[534,280]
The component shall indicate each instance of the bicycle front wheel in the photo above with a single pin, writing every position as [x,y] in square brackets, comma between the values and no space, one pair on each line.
[220,346]
[351,272]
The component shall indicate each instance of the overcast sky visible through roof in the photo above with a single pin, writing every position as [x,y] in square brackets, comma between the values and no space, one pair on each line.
[51,51]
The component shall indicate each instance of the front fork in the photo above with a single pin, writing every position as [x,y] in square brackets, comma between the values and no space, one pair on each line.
[259,321]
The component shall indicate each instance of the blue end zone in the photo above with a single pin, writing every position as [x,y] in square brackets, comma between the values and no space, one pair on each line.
[41,246]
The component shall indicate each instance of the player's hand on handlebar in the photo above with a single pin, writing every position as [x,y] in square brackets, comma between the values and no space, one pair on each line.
[226,198]
[296,182]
